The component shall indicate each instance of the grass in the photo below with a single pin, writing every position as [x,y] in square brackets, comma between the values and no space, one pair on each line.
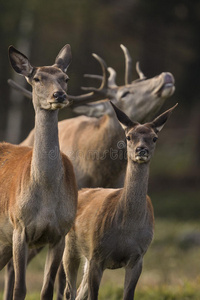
[183,292]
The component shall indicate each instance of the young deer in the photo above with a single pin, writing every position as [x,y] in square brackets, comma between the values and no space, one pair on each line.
[38,192]
[114,227]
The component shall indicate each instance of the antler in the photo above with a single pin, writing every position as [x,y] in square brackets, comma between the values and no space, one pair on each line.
[112,78]
[19,88]
[140,73]
[128,65]
[104,84]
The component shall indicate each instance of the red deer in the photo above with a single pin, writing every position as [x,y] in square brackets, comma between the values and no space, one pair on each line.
[114,227]
[95,144]
[38,191]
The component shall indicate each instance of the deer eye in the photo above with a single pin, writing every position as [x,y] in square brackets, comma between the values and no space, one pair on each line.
[128,138]
[125,94]
[36,79]
[66,79]
[155,139]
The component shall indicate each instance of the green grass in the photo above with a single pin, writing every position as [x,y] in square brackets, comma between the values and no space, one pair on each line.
[184,292]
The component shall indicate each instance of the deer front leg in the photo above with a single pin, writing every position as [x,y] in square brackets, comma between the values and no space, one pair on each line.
[10,274]
[61,282]
[9,281]
[94,279]
[132,274]
[82,292]
[71,262]
[53,260]
[20,250]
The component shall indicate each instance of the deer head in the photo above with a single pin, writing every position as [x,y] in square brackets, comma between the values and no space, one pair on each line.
[141,138]
[140,99]
[49,84]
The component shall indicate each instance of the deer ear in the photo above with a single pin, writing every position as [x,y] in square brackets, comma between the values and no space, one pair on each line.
[64,58]
[124,120]
[160,121]
[19,62]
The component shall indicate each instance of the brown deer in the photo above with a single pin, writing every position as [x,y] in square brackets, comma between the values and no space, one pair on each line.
[114,227]
[140,99]
[38,191]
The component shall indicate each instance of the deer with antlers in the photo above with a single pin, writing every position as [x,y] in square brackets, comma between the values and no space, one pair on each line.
[38,191]
[114,227]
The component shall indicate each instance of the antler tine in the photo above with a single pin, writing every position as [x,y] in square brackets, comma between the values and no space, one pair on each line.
[104,84]
[140,73]
[112,77]
[19,88]
[99,77]
[128,65]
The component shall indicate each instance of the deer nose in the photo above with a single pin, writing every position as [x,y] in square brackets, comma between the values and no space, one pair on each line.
[142,151]
[60,96]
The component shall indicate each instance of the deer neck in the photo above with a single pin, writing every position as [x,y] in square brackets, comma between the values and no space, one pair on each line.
[46,160]
[112,130]
[133,199]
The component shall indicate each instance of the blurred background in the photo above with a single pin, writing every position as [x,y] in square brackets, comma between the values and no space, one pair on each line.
[163,36]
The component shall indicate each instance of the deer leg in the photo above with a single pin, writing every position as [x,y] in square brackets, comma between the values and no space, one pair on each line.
[94,279]
[20,250]
[61,282]
[82,292]
[132,275]
[71,262]
[9,281]
[53,260]
[5,256]
[10,274]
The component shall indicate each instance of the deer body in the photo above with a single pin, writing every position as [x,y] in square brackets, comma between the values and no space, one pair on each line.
[114,227]
[37,186]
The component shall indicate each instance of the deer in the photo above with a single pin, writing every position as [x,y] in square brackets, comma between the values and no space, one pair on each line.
[100,161]
[140,99]
[38,190]
[114,227]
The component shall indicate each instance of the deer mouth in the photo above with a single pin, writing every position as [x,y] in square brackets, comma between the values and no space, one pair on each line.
[59,104]
[141,158]
[167,87]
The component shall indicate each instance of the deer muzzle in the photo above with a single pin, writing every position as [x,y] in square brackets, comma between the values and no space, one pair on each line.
[142,154]
[60,97]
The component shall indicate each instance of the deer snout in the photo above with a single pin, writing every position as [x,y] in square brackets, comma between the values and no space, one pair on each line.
[60,96]
[142,151]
